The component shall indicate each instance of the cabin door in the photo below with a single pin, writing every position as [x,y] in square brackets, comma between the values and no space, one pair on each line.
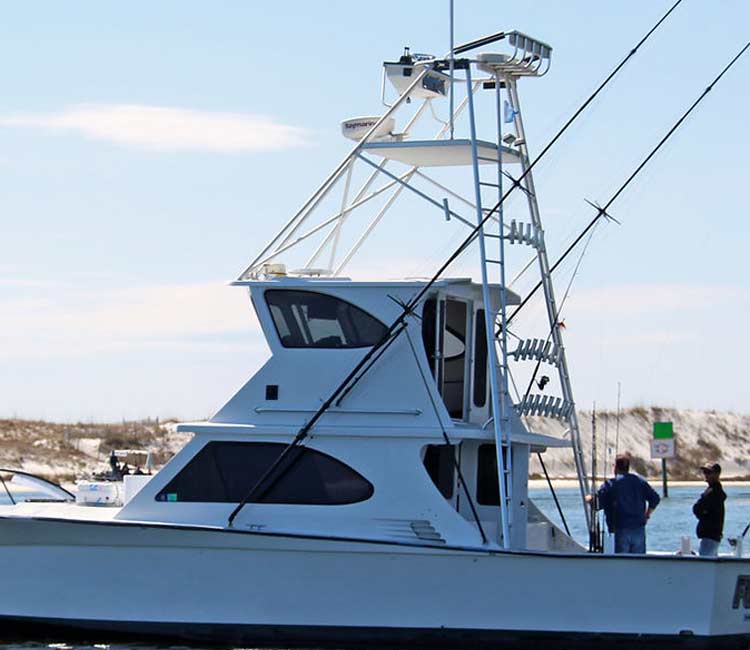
[445,327]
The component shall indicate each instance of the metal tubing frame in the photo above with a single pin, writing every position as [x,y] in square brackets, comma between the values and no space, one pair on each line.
[549,295]
[328,183]
[367,184]
[368,230]
[489,330]
[415,169]
[340,222]
[426,197]
[329,221]
[447,190]
[359,201]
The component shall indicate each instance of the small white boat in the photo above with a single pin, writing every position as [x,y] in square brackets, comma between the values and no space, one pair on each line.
[368,485]
[129,470]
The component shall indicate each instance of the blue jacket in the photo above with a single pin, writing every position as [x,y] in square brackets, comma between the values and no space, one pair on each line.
[624,500]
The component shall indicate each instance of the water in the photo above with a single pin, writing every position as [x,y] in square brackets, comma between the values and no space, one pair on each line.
[672,519]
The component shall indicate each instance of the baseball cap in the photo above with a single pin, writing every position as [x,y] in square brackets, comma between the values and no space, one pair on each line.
[711,467]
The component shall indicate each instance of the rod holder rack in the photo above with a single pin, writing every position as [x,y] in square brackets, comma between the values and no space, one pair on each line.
[530,58]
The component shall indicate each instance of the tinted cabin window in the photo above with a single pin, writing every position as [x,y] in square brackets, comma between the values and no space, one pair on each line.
[480,361]
[305,319]
[439,461]
[225,472]
[488,489]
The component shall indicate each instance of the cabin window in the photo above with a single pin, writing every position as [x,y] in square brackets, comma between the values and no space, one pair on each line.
[225,472]
[488,489]
[480,360]
[305,319]
[440,463]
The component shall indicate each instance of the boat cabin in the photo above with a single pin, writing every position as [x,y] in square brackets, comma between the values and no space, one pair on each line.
[409,443]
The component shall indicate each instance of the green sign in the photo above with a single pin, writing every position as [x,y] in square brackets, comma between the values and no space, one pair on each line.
[663,431]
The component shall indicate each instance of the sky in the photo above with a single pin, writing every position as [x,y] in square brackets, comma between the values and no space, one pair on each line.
[149,150]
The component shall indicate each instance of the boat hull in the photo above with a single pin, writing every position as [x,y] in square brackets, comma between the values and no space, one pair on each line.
[260,588]
[25,629]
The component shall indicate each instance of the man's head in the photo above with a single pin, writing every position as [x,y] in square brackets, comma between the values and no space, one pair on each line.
[711,472]
[622,463]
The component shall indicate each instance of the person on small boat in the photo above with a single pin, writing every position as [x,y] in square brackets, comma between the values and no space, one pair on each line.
[628,502]
[709,510]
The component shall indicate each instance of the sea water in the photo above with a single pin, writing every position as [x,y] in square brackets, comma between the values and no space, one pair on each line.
[672,520]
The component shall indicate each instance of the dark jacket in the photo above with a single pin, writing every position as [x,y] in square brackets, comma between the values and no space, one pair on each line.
[624,500]
[710,512]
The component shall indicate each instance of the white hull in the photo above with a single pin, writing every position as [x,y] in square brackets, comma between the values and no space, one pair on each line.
[247,586]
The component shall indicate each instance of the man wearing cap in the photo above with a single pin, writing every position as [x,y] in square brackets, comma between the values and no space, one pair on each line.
[628,502]
[710,511]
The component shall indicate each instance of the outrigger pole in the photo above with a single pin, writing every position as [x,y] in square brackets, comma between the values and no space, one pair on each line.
[268,479]
[602,212]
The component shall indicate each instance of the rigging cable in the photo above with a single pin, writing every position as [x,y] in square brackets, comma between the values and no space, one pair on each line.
[303,432]
[554,494]
[602,211]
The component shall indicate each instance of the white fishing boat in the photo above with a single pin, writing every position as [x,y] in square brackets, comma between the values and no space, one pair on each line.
[368,485]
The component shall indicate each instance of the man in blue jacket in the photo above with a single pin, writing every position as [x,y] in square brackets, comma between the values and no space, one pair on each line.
[628,501]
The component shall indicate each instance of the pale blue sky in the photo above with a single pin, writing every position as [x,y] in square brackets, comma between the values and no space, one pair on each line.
[148,150]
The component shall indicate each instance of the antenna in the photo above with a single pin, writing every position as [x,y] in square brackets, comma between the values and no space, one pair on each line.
[617,422]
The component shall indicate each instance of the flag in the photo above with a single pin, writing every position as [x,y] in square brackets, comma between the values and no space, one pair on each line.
[510,112]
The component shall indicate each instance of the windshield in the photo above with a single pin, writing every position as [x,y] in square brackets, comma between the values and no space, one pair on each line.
[305,319]
[19,487]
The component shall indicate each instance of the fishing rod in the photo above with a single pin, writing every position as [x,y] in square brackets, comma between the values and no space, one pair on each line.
[602,211]
[409,307]
[595,545]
